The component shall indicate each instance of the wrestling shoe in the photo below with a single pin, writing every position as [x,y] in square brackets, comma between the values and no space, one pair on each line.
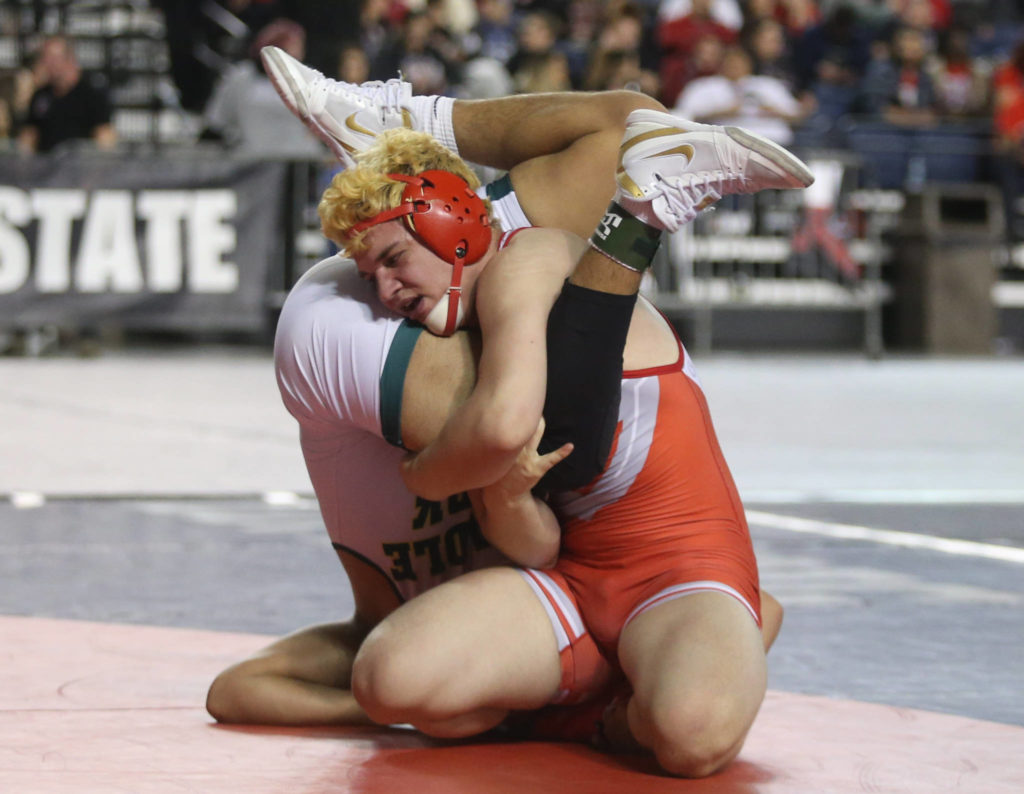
[671,169]
[345,116]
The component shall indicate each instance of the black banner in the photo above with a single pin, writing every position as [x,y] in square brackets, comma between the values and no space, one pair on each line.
[149,243]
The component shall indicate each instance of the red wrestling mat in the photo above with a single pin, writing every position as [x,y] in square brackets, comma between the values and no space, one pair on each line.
[87,707]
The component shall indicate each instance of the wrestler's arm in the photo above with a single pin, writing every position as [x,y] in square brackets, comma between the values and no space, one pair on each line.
[481,440]
[517,523]
[305,677]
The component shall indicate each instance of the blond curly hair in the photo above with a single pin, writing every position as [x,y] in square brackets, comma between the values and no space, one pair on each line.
[358,194]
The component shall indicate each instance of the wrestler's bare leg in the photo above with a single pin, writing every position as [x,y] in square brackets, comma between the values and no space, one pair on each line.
[697,669]
[301,679]
[454,660]
[305,679]
[552,145]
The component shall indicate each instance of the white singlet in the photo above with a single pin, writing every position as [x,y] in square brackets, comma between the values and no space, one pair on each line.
[333,341]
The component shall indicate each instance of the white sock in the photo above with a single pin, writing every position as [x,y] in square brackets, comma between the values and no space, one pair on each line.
[434,115]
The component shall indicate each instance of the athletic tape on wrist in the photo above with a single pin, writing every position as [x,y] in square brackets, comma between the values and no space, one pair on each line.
[626,239]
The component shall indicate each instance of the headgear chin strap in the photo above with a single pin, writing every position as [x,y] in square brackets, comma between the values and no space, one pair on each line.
[451,220]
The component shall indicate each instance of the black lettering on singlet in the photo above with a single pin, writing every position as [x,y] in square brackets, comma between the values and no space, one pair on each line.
[427,512]
[432,546]
[443,551]
[458,502]
[455,544]
[399,553]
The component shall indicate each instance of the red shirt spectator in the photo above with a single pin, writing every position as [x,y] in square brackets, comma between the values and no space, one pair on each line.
[1008,85]
[678,38]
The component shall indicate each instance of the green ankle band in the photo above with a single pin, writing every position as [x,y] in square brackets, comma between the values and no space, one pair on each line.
[625,239]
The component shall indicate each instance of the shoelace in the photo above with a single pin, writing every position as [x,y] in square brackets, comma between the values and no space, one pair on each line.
[685,194]
[387,96]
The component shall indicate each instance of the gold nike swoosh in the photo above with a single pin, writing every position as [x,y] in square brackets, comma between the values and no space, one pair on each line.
[624,179]
[352,124]
[355,126]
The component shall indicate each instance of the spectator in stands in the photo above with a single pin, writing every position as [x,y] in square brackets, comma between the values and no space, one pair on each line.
[69,105]
[830,58]
[618,55]
[539,33]
[962,82]
[766,40]
[582,26]
[1008,125]
[900,89]
[495,31]
[450,21]
[678,39]
[245,112]
[353,64]
[729,13]
[412,52]
[928,17]
[739,97]
[375,37]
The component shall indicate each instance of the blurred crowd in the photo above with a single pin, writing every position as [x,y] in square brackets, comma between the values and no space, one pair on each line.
[778,66]
[794,70]
[774,65]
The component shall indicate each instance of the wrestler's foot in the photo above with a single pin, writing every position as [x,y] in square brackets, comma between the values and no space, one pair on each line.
[345,116]
[671,169]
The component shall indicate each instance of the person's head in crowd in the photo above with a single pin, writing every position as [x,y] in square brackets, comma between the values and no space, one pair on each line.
[701,9]
[707,56]
[756,10]
[495,12]
[841,24]
[538,32]
[437,11]
[767,40]
[353,64]
[798,15]
[285,34]
[736,63]
[909,47]
[416,31]
[584,20]
[419,63]
[374,12]
[58,65]
[918,14]
[623,29]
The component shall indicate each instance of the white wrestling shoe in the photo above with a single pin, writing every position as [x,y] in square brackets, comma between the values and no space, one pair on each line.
[672,169]
[345,116]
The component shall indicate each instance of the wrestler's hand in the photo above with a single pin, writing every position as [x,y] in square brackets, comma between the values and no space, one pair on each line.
[529,467]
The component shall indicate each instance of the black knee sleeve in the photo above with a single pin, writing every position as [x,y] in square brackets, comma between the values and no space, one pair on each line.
[586,335]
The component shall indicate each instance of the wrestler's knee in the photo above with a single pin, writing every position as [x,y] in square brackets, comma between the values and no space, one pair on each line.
[622,103]
[393,680]
[692,739]
[385,679]
[224,695]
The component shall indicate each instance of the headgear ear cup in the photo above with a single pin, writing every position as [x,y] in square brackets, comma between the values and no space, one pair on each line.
[448,216]
[451,220]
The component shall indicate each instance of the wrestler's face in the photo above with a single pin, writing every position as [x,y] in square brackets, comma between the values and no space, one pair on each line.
[410,279]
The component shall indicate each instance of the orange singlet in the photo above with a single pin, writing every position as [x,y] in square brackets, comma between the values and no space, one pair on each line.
[664,520]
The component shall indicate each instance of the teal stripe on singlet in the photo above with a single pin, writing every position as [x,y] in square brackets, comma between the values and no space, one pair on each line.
[392,381]
[499,188]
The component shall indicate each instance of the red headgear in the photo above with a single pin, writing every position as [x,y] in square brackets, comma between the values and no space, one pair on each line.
[450,219]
